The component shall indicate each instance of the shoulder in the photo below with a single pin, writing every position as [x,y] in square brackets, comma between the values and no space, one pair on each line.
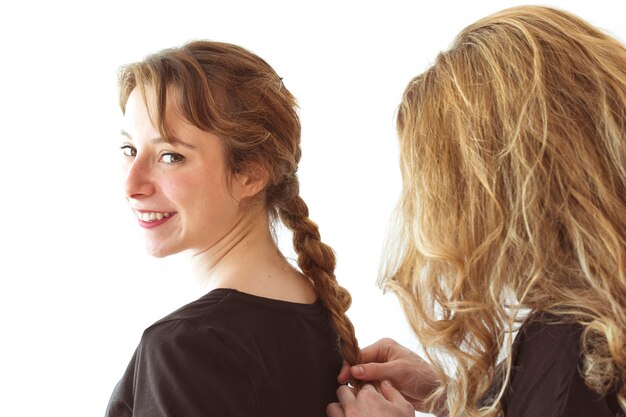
[192,343]
[545,351]
[181,336]
[224,307]
[181,368]
[230,353]
[230,324]
[204,334]
[545,338]
[545,376]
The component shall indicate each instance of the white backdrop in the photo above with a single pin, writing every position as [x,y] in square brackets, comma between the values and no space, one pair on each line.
[76,288]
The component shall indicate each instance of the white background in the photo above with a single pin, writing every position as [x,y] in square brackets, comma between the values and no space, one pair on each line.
[76,288]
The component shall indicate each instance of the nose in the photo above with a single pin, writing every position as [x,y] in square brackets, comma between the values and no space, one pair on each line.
[139,182]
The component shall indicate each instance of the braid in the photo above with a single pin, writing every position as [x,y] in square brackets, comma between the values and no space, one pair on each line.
[317,261]
[229,91]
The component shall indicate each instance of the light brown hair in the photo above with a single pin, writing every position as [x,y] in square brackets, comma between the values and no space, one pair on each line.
[513,158]
[233,93]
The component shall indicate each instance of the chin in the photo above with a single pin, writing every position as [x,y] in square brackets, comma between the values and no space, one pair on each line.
[161,251]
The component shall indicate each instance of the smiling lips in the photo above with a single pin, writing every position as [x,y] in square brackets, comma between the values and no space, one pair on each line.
[150,219]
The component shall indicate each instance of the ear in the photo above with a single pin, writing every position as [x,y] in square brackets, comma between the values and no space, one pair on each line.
[250,181]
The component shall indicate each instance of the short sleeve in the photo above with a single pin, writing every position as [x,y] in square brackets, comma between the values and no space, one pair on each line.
[181,370]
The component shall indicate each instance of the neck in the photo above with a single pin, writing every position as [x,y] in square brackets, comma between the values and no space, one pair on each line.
[225,257]
[248,260]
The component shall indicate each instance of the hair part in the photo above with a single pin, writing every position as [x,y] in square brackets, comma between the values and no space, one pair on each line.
[513,158]
[226,90]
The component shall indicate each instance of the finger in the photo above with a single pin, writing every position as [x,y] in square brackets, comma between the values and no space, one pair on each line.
[334,410]
[369,395]
[346,395]
[344,374]
[367,391]
[390,393]
[368,387]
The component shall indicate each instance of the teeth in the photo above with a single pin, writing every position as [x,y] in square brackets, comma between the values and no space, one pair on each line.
[152,216]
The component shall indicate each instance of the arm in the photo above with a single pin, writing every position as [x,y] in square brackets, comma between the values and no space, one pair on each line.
[182,371]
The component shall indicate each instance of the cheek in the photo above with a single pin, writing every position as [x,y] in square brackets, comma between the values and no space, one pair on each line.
[180,187]
[193,191]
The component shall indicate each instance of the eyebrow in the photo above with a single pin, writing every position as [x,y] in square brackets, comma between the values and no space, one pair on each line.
[172,140]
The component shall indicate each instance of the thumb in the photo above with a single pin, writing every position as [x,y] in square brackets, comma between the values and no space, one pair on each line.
[372,371]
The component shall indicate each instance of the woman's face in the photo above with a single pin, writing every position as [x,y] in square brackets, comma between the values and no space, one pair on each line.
[180,191]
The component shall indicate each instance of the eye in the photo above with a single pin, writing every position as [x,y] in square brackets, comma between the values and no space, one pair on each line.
[172,158]
[128,150]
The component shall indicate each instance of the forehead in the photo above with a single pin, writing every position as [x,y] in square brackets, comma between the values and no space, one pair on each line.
[145,95]
[141,124]
[142,110]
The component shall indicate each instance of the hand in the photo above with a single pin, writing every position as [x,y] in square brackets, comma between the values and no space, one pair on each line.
[370,403]
[387,360]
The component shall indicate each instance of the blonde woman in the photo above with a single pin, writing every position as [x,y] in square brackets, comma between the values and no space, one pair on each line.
[511,263]
[211,143]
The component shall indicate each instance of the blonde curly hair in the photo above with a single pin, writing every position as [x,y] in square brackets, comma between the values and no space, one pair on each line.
[513,158]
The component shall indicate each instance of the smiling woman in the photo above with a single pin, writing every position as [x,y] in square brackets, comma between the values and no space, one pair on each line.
[211,145]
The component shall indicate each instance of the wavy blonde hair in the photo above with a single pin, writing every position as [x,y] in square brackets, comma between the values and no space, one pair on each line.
[227,90]
[513,159]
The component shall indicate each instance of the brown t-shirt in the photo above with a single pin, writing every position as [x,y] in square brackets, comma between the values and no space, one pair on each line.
[546,380]
[232,354]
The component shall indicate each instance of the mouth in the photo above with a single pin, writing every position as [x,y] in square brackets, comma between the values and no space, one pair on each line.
[152,216]
[149,219]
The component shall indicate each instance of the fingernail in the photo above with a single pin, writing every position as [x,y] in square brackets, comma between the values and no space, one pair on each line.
[358,371]
[386,383]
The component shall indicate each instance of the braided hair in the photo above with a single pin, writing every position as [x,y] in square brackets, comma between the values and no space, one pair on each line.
[233,93]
